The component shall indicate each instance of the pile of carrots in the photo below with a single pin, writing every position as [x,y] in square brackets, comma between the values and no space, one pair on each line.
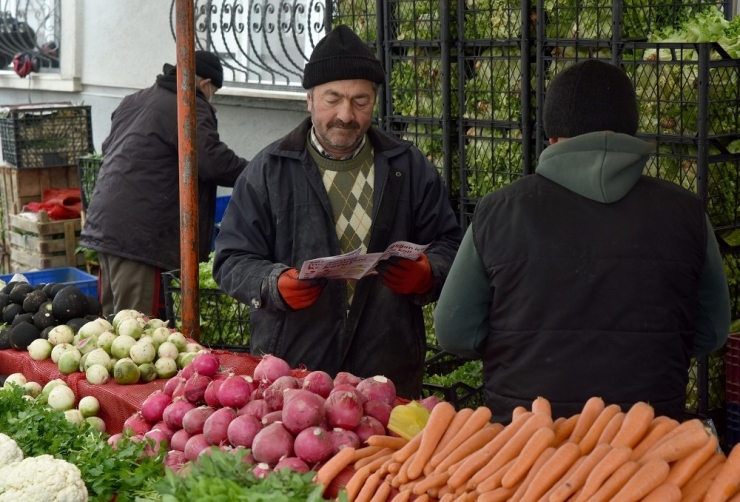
[600,454]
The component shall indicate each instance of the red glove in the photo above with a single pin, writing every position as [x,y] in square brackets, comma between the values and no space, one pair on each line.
[298,293]
[408,277]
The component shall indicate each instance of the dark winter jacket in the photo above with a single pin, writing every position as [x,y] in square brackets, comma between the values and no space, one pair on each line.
[135,208]
[586,279]
[279,216]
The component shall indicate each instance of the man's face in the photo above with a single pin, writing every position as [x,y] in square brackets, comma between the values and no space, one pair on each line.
[341,112]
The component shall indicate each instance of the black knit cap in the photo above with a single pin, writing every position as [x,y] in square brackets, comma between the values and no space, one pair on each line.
[341,55]
[587,97]
[207,65]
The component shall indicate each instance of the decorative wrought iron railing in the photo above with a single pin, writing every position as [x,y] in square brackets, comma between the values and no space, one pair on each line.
[32,27]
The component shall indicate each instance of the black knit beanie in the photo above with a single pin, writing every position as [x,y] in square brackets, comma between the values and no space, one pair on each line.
[207,65]
[587,97]
[341,55]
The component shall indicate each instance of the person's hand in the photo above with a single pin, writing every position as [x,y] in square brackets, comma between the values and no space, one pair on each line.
[299,293]
[407,276]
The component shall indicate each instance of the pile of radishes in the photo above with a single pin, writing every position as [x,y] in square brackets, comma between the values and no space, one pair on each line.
[285,421]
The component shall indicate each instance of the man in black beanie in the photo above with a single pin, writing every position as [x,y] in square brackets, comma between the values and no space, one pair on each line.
[587,279]
[133,219]
[336,185]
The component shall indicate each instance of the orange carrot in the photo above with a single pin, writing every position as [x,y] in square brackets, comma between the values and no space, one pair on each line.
[382,454]
[494,481]
[610,463]
[694,423]
[366,451]
[734,498]
[696,491]
[403,476]
[473,423]
[659,427]
[559,482]
[612,428]
[650,476]
[678,447]
[532,474]
[460,419]
[500,494]
[577,479]
[532,449]
[682,470]
[368,489]
[470,445]
[408,449]
[473,463]
[356,482]
[422,498]
[439,419]
[541,405]
[667,492]
[394,467]
[381,493]
[728,479]
[635,425]
[592,436]
[519,410]
[429,482]
[447,497]
[403,496]
[615,482]
[564,429]
[562,459]
[334,466]
[716,458]
[590,412]
[386,441]
[513,447]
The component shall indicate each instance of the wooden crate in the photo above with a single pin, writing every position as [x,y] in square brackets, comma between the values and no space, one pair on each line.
[21,186]
[43,244]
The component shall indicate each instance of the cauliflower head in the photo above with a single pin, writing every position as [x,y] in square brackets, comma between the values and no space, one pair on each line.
[42,479]
[9,451]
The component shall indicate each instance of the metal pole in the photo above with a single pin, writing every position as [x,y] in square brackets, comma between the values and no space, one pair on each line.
[187,147]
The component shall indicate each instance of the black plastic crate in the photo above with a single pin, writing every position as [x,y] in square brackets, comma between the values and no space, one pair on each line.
[460,395]
[715,371]
[733,425]
[88,168]
[224,322]
[441,362]
[496,19]
[45,135]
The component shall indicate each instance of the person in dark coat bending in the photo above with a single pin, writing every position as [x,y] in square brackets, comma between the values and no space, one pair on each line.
[330,186]
[133,220]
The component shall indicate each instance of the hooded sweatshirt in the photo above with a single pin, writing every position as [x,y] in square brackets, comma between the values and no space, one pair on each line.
[602,167]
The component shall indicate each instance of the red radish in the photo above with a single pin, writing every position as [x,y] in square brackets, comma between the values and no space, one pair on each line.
[378,410]
[378,387]
[259,391]
[175,412]
[174,460]
[195,388]
[195,445]
[179,390]
[313,445]
[272,443]
[272,417]
[242,429]
[318,382]
[158,440]
[216,427]
[172,384]
[430,402]
[137,423]
[154,405]
[221,375]
[253,384]
[234,392]
[275,393]
[187,371]
[205,363]
[162,426]
[194,419]
[344,377]
[179,440]
[270,368]
[343,409]
[292,463]
[367,427]
[257,408]
[261,470]
[113,440]
[211,394]
[343,386]
[341,438]
[302,409]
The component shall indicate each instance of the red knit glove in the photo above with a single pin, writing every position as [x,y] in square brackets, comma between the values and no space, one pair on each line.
[298,293]
[408,277]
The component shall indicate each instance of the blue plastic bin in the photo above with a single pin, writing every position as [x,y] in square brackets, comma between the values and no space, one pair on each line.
[87,283]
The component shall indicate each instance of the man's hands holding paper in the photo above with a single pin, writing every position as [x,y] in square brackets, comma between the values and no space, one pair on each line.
[299,293]
[405,276]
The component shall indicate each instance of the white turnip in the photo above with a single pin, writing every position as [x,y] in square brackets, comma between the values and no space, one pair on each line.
[378,410]
[367,427]
[257,408]
[313,445]
[195,388]
[179,440]
[378,387]
[166,367]
[318,382]
[270,368]
[343,409]
[175,412]
[195,445]
[275,393]
[216,427]
[341,438]
[234,392]
[301,409]
[242,430]
[272,443]
[153,406]
[194,419]
[293,463]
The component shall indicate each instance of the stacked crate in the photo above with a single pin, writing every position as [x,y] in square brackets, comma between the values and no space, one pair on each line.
[732,364]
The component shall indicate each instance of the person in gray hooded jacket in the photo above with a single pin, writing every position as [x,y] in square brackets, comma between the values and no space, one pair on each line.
[587,278]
